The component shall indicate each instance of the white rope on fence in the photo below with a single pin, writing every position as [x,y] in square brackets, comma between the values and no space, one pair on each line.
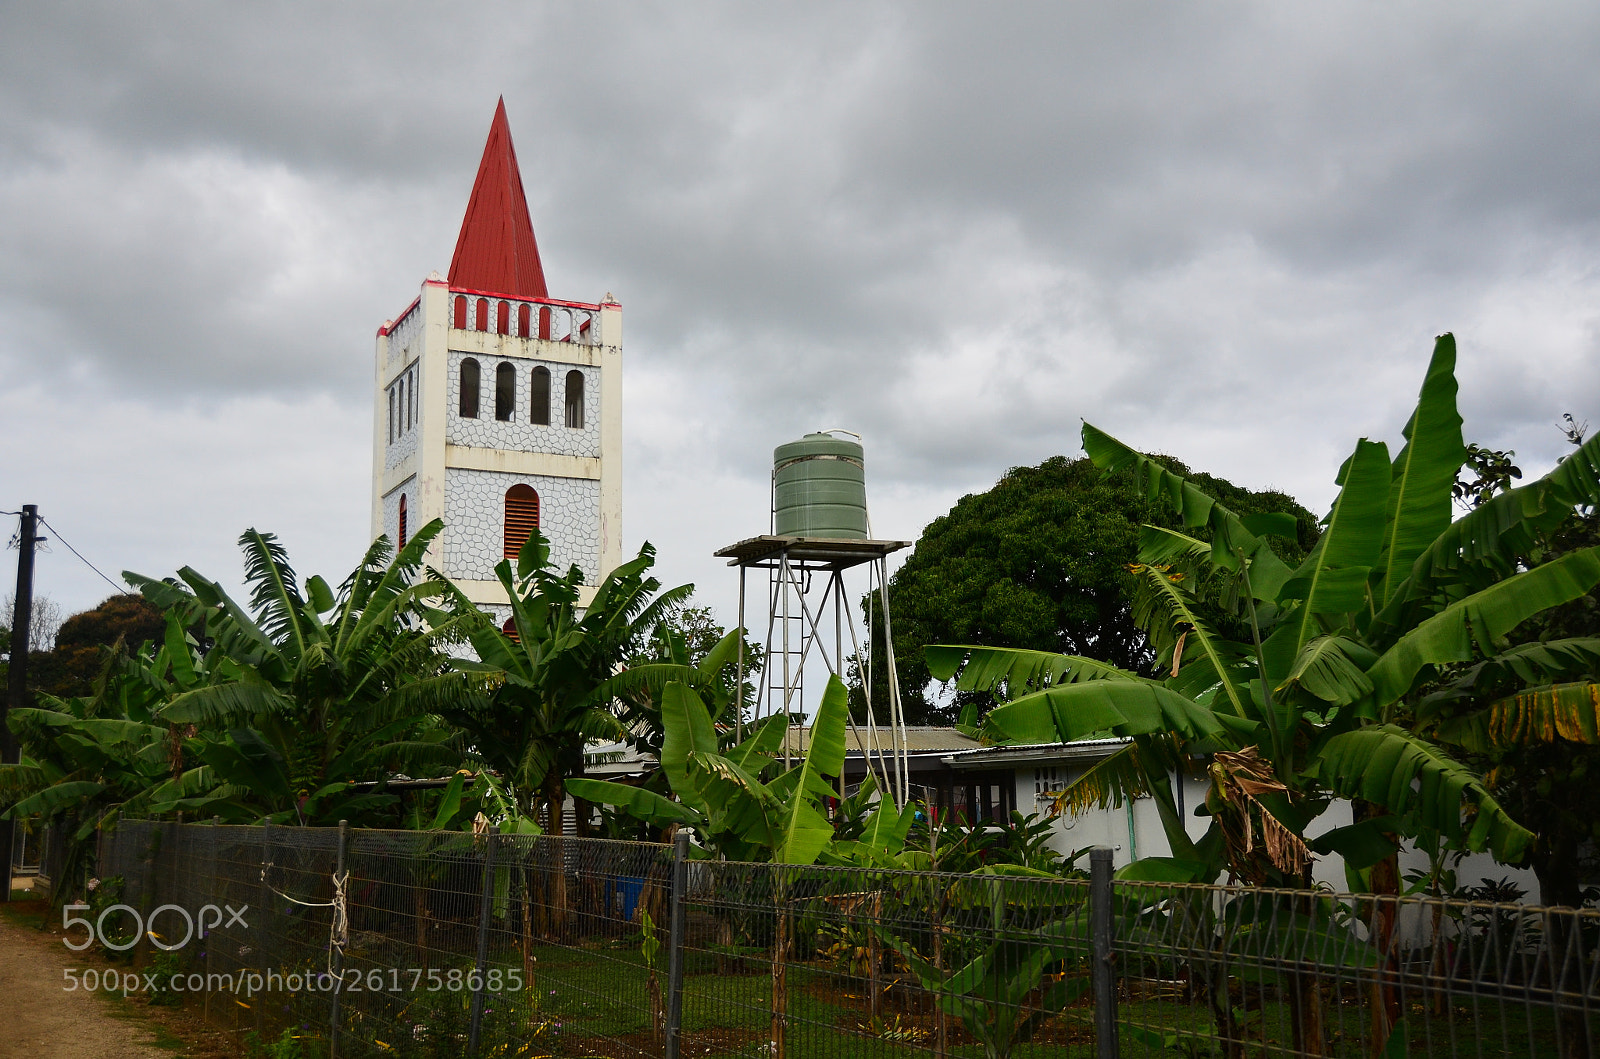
[339,928]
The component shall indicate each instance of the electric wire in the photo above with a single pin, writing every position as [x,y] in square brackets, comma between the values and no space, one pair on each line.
[74,551]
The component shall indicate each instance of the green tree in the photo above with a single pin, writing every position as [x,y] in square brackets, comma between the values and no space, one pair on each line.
[536,695]
[1040,562]
[1319,703]
[73,664]
[286,708]
[1533,741]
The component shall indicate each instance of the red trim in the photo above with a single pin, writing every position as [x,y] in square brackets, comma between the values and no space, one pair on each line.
[397,321]
[593,306]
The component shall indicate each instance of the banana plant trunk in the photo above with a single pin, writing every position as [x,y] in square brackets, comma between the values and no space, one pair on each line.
[1384,883]
[556,886]
[1306,1007]
[780,976]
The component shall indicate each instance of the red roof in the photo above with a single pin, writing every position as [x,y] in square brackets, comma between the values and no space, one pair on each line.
[496,250]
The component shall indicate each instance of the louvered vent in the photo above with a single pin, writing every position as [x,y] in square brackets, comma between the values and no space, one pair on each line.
[522,518]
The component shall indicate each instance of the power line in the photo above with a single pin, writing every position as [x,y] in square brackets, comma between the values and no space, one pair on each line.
[74,551]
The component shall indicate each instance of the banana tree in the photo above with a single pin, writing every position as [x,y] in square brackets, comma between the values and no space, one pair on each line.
[285,706]
[722,796]
[1341,649]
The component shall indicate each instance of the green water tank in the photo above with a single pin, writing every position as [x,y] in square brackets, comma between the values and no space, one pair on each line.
[819,488]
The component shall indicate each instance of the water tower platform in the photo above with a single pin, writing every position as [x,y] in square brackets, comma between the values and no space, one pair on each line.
[828,553]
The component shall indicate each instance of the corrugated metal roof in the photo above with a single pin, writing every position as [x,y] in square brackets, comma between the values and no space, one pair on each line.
[496,251]
[980,757]
[919,739]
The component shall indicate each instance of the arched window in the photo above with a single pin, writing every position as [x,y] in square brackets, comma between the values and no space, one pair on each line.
[575,399]
[461,312]
[403,404]
[411,401]
[505,391]
[402,520]
[483,315]
[469,389]
[544,321]
[391,416]
[510,629]
[540,412]
[522,518]
[523,319]
[503,324]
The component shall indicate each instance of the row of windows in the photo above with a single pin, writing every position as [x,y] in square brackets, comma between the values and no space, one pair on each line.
[402,404]
[521,518]
[505,394]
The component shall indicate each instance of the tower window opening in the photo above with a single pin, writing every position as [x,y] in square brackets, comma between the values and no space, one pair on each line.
[522,518]
[505,391]
[461,313]
[524,316]
[391,415]
[469,388]
[575,399]
[482,323]
[540,411]
[503,324]
[411,401]
[510,629]
[402,520]
[544,321]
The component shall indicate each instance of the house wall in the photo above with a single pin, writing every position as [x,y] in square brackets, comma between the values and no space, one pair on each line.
[1135,831]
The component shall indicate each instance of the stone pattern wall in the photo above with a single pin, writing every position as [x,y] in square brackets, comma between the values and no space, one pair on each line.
[391,510]
[518,434]
[405,440]
[474,521]
[405,341]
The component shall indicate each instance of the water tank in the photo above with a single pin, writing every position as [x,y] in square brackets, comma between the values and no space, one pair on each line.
[819,488]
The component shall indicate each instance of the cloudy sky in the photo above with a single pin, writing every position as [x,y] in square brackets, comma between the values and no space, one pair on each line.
[1224,231]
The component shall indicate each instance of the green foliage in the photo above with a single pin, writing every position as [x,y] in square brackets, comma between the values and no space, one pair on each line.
[721,795]
[287,1045]
[537,695]
[1040,562]
[1341,651]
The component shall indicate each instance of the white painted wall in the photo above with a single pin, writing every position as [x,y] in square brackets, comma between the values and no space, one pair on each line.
[1139,833]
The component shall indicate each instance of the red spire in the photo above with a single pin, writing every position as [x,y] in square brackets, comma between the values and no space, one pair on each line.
[496,251]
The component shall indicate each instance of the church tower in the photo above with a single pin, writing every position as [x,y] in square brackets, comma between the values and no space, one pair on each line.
[499,408]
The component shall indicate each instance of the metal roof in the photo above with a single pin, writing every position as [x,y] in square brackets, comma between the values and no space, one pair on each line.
[982,757]
[496,251]
[841,553]
[919,739]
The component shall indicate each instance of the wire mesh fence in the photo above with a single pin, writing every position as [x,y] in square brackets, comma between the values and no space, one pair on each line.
[418,944]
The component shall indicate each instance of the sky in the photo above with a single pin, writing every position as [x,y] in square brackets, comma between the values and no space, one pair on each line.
[1228,232]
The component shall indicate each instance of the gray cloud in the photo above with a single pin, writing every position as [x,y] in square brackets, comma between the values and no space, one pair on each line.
[1229,233]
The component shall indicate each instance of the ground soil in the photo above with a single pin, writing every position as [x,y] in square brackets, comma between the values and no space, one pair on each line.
[39,1019]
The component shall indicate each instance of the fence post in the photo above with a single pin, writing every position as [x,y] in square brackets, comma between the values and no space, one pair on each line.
[1101,927]
[485,906]
[336,957]
[680,881]
[264,932]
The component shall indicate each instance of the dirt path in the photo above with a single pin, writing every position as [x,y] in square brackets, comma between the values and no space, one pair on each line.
[40,1020]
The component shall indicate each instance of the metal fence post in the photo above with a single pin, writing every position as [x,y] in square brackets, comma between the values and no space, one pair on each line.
[1101,927]
[264,932]
[680,884]
[336,957]
[485,906]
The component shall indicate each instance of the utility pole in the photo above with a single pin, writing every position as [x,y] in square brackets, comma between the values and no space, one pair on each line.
[17,677]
